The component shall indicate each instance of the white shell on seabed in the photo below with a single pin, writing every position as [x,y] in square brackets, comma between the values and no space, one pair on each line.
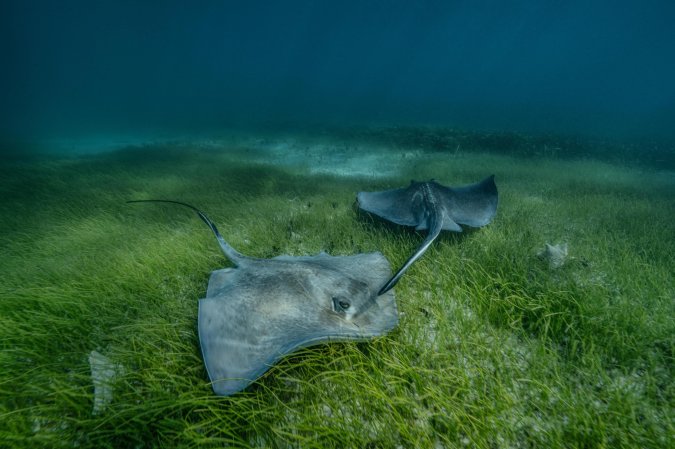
[103,373]
[555,255]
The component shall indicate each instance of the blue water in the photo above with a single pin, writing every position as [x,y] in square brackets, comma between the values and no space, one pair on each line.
[601,68]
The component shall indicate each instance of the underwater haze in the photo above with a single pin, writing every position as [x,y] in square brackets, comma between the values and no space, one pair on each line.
[550,326]
[600,68]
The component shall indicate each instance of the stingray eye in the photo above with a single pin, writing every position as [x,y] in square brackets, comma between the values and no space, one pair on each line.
[340,305]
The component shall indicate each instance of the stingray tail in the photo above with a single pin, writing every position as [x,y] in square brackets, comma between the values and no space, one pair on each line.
[231,253]
[434,230]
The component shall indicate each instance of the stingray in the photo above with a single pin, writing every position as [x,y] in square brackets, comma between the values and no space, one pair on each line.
[431,206]
[263,309]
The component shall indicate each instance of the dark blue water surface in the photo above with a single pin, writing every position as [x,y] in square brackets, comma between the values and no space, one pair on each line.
[590,67]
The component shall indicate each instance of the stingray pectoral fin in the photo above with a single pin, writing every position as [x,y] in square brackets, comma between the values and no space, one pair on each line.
[472,205]
[232,361]
[393,205]
[450,225]
[434,231]
[219,280]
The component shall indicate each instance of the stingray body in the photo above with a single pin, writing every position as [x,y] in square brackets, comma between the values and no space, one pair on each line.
[263,309]
[433,207]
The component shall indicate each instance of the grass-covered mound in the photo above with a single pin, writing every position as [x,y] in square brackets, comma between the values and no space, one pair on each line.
[495,348]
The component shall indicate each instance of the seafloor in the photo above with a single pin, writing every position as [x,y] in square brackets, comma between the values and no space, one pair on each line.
[503,341]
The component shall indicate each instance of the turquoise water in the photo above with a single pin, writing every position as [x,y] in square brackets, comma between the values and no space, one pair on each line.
[137,68]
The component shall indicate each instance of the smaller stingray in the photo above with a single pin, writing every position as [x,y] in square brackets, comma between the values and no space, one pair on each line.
[263,309]
[429,205]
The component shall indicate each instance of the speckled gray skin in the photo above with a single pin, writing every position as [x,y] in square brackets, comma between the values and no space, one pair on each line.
[431,206]
[263,309]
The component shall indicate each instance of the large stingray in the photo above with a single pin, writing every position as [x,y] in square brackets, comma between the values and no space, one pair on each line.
[263,309]
[429,205]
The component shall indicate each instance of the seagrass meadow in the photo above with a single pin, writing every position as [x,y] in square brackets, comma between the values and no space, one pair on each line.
[496,347]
